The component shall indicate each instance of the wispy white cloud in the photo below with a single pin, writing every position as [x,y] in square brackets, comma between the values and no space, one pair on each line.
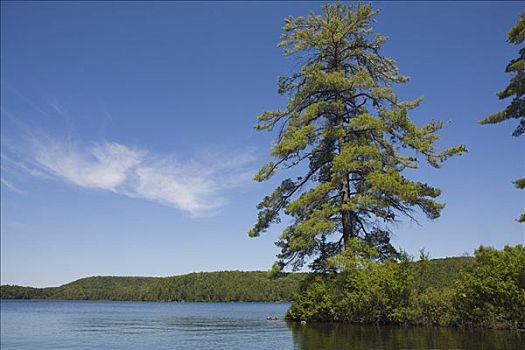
[104,166]
[9,186]
[14,166]
[198,186]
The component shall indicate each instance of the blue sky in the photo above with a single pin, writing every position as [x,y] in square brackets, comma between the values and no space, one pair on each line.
[127,139]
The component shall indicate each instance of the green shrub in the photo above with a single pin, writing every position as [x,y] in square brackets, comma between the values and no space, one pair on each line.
[493,293]
[315,302]
[432,307]
[488,292]
[364,291]
[379,294]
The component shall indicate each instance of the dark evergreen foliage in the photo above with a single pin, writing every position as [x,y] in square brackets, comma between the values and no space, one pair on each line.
[202,286]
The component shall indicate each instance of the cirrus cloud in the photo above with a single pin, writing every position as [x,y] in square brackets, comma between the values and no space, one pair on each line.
[197,186]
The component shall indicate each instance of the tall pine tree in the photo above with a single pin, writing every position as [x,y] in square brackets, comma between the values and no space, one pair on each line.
[344,122]
[516,88]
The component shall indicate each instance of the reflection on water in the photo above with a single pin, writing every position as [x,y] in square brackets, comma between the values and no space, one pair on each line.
[354,337]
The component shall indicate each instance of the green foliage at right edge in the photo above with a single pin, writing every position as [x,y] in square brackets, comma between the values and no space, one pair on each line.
[516,88]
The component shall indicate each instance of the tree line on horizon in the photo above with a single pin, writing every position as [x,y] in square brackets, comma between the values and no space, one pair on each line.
[224,286]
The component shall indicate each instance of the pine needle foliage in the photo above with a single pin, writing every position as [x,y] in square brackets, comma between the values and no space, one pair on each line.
[516,87]
[345,125]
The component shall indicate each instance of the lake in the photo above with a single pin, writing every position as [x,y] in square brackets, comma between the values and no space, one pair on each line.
[76,325]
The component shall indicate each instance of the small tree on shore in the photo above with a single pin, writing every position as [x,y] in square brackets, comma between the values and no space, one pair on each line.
[346,128]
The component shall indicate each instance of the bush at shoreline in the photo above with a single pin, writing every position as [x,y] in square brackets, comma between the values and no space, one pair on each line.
[489,292]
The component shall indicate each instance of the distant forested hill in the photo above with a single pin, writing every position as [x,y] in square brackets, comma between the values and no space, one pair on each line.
[201,286]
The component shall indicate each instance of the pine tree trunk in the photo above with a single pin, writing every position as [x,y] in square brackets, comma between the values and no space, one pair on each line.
[345,214]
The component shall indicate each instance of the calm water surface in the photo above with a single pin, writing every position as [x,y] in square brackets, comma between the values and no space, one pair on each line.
[141,325]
